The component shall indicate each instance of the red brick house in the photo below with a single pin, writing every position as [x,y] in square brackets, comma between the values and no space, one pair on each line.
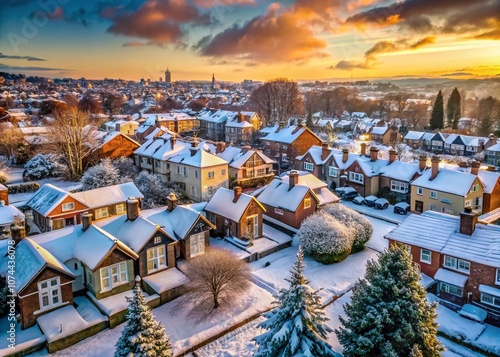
[460,254]
[112,146]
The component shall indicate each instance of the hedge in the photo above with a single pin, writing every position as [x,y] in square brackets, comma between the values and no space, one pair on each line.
[23,188]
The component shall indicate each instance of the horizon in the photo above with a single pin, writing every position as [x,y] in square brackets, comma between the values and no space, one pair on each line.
[341,41]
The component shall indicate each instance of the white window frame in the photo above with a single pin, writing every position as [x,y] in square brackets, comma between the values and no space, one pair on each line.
[475,187]
[185,171]
[101,212]
[51,291]
[422,256]
[308,166]
[68,206]
[121,276]
[432,207]
[120,208]
[495,300]
[433,195]
[333,171]
[223,172]
[157,258]
[456,264]
[356,177]
[447,286]
[307,202]
[399,186]
[261,172]
[197,244]
[420,191]
[90,277]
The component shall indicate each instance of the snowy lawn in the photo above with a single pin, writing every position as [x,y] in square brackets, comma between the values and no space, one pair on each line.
[24,338]
[380,229]
[183,332]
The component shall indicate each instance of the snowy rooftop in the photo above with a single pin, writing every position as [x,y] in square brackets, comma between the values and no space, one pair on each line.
[462,181]
[414,135]
[222,204]
[201,158]
[108,195]
[47,198]
[371,168]
[8,213]
[166,280]
[379,130]
[285,135]
[398,170]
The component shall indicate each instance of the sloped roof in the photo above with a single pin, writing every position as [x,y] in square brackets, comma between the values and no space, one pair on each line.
[379,130]
[414,135]
[200,159]
[47,198]
[108,195]
[462,181]
[402,171]
[286,135]
[222,204]
[278,194]
[8,213]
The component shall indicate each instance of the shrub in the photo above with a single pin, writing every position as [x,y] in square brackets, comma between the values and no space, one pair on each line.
[360,227]
[42,166]
[101,175]
[3,177]
[23,188]
[325,238]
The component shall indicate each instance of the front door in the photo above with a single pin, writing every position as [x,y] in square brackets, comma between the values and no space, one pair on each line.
[252,227]
[419,206]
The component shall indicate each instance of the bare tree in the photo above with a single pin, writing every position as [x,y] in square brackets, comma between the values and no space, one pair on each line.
[277,100]
[88,103]
[73,137]
[10,139]
[416,115]
[216,277]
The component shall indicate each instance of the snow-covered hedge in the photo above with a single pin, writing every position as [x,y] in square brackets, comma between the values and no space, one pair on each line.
[155,191]
[360,227]
[43,166]
[325,238]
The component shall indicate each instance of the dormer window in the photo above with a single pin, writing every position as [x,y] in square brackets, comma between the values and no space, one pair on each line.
[68,206]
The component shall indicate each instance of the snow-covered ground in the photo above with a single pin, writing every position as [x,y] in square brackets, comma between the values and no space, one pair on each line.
[384,214]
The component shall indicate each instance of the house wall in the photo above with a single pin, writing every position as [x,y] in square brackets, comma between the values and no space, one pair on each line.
[252,209]
[293,219]
[479,274]
[29,301]
[117,147]
[114,258]
[491,201]
[370,185]
[186,245]
[317,169]
[142,262]
[220,180]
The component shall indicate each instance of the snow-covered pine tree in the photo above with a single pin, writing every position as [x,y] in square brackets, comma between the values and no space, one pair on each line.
[297,325]
[142,336]
[389,314]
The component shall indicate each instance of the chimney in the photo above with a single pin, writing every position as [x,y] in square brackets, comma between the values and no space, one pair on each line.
[173,140]
[193,150]
[18,233]
[392,155]
[422,162]
[171,202]
[237,193]
[4,194]
[194,143]
[474,167]
[434,167]
[324,151]
[493,139]
[293,179]
[281,125]
[244,149]
[132,208]
[86,218]
[345,155]
[373,154]
[468,220]
[220,147]
[241,117]
[363,149]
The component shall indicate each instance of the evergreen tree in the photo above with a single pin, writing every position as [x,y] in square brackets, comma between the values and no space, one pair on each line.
[437,115]
[296,326]
[453,108]
[388,314]
[142,336]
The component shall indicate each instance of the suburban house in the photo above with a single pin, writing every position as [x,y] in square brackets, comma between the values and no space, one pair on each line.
[459,254]
[463,145]
[213,123]
[294,196]
[385,135]
[240,128]
[447,191]
[54,208]
[8,213]
[177,122]
[437,143]
[418,139]
[125,127]
[284,144]
[236,214]
[492,155]
[246,164]
[112,146]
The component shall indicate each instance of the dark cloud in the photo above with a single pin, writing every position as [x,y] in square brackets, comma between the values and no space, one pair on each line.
[457,74]
[28,58]
[158,21]
[6,67]
[489,35]
[349,65]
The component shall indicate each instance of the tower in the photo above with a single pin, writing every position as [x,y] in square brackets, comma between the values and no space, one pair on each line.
[168,77]
[213,81]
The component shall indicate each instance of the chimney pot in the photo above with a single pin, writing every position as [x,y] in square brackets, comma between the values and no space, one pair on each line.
[171,202]
[220,147]
[237,193]
[293,179]
[373,154]
[324,151]
[345,155]
[474,167]
[86,218]
[392,155]
[422,162]
[363,149]
[132,208]
[435,167]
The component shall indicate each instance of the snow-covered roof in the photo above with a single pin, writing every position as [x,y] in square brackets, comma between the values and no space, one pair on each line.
[286,135]
[201,158]
[108,195]
[371,168]
[483,246]
[414,135]
[451,277]
[379,130]
[307,179]
[428,136]
[489,179]
[402,171]
[218,116]
[462,181]
[46,199]
[222,204]
[182,219]
[495,147]
[237,157]
[8,213]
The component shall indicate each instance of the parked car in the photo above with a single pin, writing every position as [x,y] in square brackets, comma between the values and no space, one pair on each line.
[370,200]
[346,193]
[401,208]
[381,203]
[350,195]
[359,200]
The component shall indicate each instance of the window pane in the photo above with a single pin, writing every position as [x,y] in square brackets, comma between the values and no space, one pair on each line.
[45,300]
[104,273]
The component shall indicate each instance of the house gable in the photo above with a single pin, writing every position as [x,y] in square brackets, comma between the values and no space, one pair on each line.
[58,210]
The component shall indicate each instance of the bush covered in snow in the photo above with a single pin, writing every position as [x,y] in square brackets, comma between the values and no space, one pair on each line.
[43,166]
[101,175]
[3,171]
[126,168]
[155,191]
[325,238]
[360,227]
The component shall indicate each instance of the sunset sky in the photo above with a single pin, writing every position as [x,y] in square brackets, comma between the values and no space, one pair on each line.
[251,39]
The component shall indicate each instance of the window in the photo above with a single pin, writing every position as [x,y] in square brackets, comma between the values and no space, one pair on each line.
[478,201]
[446,200]
[432,207]
[278,210]
[113,275]
[223,172]
[68,206]
[307,203]
[457,264]
[157,240]
[285,147]
[268,143]
[185,171]
[450,289]
[90,278]
[446,210]
[211,174]
[420,191]
[497,281]
[101,212]
[355,177]
[49,293]
[261,172]
[308,166]
[433,195]
[425,255]
[284,157]
[196,173]
[399,186]
[158,164]
[490,299]
[178,170]
[277,145]
[197,244]
[475,187]
[120,208]
[468,203]
[333,171]
[156,258]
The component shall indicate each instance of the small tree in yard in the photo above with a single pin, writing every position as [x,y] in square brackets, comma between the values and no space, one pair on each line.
[42,166]
[101,175]
[142,336]
[361,228]
[325,238]
[389,314]
[297,325]
[217,277]
[154,190]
